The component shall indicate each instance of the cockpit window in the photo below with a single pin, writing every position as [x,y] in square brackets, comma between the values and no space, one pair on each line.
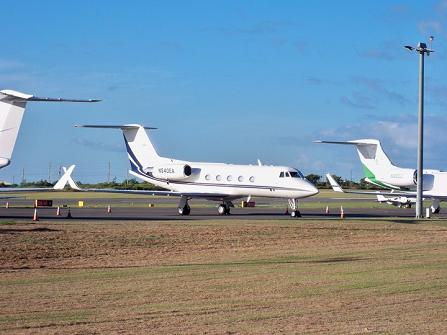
[296,174]
[291,174]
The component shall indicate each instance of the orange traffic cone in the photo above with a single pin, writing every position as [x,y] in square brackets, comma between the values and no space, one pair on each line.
[69,213]
[35,217]
[58,211]
[109,209]
[327,209]
[342,213]
[7,205]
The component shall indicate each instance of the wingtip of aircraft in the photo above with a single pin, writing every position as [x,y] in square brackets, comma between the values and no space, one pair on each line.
[66,179]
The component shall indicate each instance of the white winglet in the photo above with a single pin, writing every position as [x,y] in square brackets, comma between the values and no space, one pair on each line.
[66,178]
[335,186]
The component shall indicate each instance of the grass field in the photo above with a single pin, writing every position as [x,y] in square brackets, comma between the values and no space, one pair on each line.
[224,277]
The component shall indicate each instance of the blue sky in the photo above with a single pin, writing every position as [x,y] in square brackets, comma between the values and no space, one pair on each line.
[225,81]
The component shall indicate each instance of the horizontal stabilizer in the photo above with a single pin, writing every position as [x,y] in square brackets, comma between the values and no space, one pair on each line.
[381,198]
[19,96]
[122,127]
[354,142]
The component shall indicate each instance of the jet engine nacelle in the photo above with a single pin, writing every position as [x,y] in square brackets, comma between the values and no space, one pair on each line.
[400,178]
[427,179]
[172,171]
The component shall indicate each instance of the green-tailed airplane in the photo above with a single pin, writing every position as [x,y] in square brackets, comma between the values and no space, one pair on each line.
[380,171]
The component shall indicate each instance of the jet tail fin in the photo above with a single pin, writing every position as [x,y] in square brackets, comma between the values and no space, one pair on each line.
[374,160]
[140,150]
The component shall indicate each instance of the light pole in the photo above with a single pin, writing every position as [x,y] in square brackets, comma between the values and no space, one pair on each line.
[422,50]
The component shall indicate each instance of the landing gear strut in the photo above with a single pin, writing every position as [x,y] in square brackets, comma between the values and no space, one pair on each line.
[224,208]
[294,213]
[183,207]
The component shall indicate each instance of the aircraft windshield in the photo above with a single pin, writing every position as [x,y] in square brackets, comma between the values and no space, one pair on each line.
[296,174]
[291,174]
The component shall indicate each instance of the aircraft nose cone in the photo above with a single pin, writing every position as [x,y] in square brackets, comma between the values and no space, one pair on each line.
[312,189]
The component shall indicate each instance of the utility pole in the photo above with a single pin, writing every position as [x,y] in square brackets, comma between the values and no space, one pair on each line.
[108,173]
[49,172]
[422,50]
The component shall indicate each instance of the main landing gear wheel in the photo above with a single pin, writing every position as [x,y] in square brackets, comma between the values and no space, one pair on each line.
[295,214]
[223,209]
[435,207]
[435,210]
[184,210]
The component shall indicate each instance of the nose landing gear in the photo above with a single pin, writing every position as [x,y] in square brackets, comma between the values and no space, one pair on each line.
[294,213]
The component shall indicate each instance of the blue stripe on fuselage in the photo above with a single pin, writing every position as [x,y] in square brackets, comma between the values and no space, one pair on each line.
[149,176]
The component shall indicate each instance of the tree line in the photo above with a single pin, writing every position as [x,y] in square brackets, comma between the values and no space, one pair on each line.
[133,184]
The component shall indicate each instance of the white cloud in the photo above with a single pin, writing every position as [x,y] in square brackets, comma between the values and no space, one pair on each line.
[430,27]
[8,64]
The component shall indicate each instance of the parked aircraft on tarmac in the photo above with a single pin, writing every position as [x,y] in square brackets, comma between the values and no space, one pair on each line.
[399,201]
[12,107]
[380,171]
[213,181]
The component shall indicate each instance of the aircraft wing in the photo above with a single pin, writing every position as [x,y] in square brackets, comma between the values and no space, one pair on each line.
[337,188]
[67,179]
[159,193]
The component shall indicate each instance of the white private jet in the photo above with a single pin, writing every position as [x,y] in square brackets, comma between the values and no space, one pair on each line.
[213,181]
[380,171]
[12,108]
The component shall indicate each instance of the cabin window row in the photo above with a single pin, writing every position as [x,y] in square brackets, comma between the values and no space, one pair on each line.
[230,178]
